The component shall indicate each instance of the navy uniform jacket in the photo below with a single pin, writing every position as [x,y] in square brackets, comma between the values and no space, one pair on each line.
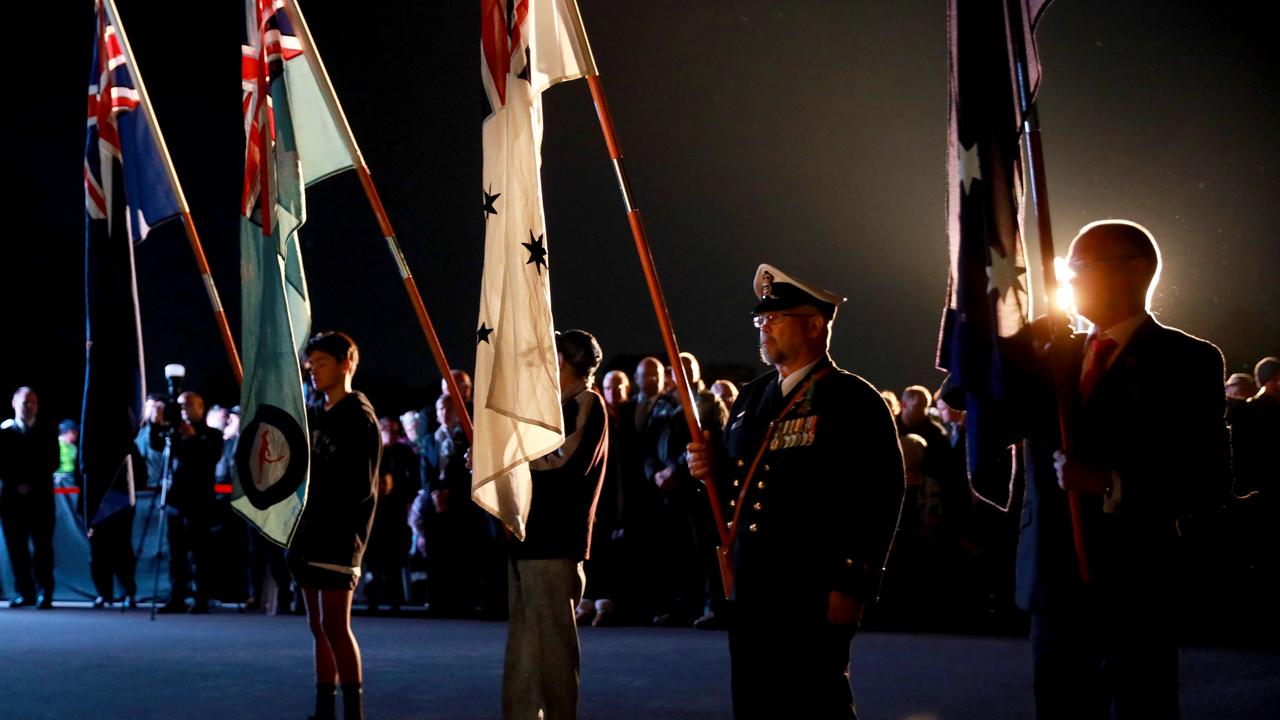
[821,511]
[1156,418]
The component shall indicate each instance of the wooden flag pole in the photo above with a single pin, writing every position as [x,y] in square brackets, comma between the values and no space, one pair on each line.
[655,294]
[651,279]
[219,314]
[375,202]
[1063,383]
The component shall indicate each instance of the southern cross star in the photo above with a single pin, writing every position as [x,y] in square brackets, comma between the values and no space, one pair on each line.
[489,200]
[537,252]
[1003,273]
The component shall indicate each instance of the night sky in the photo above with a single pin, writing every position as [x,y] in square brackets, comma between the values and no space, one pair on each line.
[810,135]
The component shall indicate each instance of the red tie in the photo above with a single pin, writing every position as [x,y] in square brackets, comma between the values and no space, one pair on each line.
[1102,347]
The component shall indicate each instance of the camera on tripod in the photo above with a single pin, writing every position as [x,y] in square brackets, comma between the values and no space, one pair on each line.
[167,415]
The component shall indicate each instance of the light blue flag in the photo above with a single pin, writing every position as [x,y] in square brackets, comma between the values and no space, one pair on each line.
[273,454]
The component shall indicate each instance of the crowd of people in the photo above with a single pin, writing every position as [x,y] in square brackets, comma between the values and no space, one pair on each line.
[652,557]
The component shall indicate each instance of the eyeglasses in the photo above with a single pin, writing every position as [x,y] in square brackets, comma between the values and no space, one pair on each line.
[772,318]
[1083,266]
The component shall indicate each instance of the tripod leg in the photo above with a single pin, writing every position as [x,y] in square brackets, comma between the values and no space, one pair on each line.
[166,477]
[155,580]
[146,528]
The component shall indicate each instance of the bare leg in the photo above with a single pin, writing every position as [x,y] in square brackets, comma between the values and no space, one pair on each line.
[335,622]
[326,666]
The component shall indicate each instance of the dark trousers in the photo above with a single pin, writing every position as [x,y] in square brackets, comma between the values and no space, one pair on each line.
[1099,664]
[188,545]
[30,522]
[680,577]
[780,665]
[460,560]
[111,555]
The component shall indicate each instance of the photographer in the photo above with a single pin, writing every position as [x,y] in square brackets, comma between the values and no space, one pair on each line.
[150,439]
[196,449]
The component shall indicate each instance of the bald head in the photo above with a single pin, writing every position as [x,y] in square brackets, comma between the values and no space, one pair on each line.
[25,405]
[462,379]
[692,370]
[1114,265]
[616,387]
[649,376]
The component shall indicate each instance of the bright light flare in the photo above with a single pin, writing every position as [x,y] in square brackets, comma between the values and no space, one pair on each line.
[1065,299]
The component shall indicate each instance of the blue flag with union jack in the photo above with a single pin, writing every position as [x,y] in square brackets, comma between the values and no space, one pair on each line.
[992,284]
[127,193]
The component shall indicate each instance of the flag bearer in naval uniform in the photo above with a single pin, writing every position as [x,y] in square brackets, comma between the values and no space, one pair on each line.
[816,485]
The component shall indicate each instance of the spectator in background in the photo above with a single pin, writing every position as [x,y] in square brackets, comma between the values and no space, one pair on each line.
[616,389]
[915,419]
[1240,387]
[1255,430]
[28,457]
[687,537]
[68,453]
[216,417]
[389,542]
[606,568]
[891,400]
[151,440]
[462,379]
[726,391]
[456,534]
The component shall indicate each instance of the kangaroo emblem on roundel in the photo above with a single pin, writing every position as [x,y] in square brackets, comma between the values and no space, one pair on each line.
[264,456]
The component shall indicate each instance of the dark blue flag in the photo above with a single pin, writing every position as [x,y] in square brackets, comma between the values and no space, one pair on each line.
[127,192]
[991,282]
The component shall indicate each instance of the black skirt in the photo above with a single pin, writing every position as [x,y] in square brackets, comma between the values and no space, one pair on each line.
[310,576]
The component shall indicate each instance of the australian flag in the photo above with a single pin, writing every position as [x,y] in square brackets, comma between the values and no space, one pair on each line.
[991,283]
[127,192]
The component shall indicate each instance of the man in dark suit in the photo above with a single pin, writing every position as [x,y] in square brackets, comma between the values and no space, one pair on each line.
[1108,647]
[28,457]
[816,492]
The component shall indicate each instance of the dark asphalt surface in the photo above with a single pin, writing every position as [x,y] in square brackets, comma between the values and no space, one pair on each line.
[102,664]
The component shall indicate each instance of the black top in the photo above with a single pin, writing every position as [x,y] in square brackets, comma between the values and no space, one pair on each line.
[566,484]
[27,462]
[195,462]
[346,448]
[1254,430]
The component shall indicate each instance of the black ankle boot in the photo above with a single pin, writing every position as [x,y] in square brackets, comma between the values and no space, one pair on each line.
[326,702]
[352,701]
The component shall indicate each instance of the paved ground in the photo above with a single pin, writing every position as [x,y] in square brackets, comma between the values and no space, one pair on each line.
[82,663]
